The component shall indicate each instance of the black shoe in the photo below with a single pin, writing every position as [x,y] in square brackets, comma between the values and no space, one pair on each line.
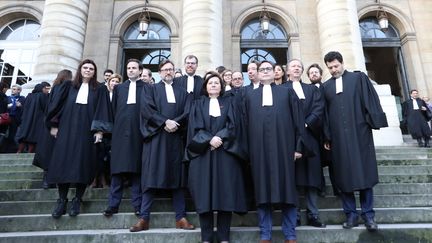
[110,211]
[350,223]
[371,225]
[60,208]
[315,222]
[45,184]
[298,222]
[75,208]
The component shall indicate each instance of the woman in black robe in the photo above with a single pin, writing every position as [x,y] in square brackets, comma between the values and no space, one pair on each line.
[216,180]
[45,141]
[78,115]
[32,119]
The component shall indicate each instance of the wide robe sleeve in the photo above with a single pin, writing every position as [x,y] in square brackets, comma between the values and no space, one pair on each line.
[299,121]
[103,117]
[314,119]
[375,116]
[56,103]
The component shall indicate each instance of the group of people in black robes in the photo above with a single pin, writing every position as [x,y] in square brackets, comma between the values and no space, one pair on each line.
[259,143]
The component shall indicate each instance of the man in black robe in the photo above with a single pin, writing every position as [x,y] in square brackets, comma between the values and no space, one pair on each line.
[191,82]
[308,169]
[353,110]
[163,123]
[275,124]
[126,146]
[416,114]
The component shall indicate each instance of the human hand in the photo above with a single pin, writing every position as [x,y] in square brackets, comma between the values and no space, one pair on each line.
[54,131]
[216,142]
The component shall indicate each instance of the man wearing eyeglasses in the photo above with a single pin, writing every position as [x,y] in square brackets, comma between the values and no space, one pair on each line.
[275,125]
[190,81]
[164,112]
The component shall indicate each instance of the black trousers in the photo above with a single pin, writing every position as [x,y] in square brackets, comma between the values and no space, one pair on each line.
[63,190]
[223,226]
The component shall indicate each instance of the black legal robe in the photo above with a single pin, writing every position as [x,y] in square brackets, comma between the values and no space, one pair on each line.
[274,134]
[74,158]
[32,119]
[163,152]
[416,119]
[126,145]
[308,168]
[216,180]
[46,141]
[351,116]
[198,83]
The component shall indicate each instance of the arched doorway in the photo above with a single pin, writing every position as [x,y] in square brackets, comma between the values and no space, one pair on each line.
[18,51]
[151,48]
[255,45]
[384,60]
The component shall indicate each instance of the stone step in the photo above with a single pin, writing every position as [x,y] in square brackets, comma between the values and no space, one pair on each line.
[386,162]
[14,175]
[44,222]
[102,193]
[18,167]
[395,233]
[165,204]
[16,156]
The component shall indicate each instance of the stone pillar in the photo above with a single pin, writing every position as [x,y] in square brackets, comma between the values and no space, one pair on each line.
[338,28]
[202,33]
[62,38]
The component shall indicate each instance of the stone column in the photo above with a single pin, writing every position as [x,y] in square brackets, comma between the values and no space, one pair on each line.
[338,28]
[62,38]
[202,33]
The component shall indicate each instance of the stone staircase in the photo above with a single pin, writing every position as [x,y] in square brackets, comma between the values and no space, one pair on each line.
[403,201]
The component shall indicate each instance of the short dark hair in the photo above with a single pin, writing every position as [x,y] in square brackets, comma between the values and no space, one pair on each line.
[411,91]
[333,55]
[220,69]
[163,62]
[3,85]
[265,61]
[140,66]
[108,71]
[190,57]
[211,74]
[314,65]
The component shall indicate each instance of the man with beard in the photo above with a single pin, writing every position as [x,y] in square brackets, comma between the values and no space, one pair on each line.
[314,72]
[191,82]
[353,110]
[164,113]
[308,168]
[126,145]
[275,126]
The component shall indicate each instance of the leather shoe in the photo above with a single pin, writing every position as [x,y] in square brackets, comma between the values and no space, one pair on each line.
[265,241]
[140,226]
[60,208]
[298,222]
[350,223]
[371,225]
[290,241]
[110,211]
[183,223]
[315,222]
[75,208]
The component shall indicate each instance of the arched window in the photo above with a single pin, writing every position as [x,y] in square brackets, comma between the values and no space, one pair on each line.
[255,45]
[18,51]
[151,48]
[369,28]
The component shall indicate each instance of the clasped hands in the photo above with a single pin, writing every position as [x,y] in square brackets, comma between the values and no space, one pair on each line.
[171,126]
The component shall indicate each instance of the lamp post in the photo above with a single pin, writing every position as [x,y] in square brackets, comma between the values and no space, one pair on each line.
[144,20]
[382,17]
[264,19]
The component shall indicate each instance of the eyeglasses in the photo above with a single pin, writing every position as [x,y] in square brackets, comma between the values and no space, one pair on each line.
[266,69]
[236,79]
[167,70]
[190,63]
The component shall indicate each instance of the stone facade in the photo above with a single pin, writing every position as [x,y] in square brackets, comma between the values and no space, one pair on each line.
[211,29]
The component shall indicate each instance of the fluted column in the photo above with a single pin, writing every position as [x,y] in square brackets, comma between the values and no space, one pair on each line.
[202,33]
[338,27]
[62,38]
